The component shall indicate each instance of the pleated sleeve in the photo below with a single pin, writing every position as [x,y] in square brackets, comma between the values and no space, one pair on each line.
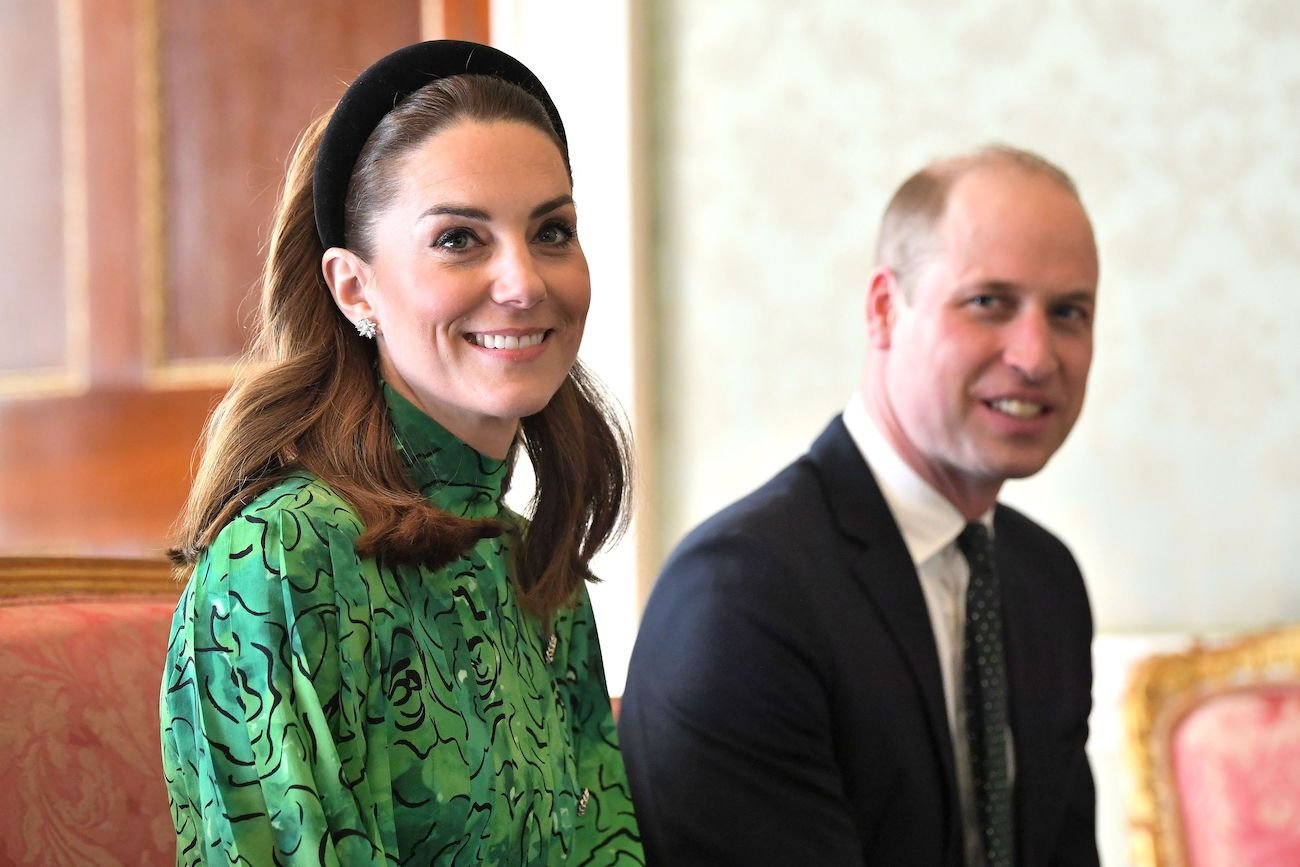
[265,692]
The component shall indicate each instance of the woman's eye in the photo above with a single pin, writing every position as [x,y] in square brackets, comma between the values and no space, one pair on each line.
[556,234]
[456,239]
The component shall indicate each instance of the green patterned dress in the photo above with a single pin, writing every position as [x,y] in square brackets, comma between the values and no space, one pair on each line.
[321,708]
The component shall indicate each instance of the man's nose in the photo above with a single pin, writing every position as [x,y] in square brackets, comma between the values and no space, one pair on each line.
[1031,346]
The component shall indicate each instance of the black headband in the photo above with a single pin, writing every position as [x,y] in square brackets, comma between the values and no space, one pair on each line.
[378,90]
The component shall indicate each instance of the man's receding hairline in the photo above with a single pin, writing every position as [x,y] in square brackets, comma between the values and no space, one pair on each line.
[919,206]
[1002,155]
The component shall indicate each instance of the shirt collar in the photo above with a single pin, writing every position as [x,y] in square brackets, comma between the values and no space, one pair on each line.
[926,519]
[448,472]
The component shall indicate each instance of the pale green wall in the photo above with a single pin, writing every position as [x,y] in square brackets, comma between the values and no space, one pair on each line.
[781,130]
[784,127]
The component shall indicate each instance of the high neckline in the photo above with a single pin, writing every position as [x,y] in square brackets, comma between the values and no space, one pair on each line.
[447,471]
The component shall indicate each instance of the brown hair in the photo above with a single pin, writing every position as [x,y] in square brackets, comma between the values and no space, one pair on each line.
[308,397]
[907,230]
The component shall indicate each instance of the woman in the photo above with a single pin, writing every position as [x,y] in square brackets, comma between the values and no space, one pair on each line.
[375,661]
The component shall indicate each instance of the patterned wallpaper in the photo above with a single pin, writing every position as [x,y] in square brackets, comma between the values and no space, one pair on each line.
[783,128]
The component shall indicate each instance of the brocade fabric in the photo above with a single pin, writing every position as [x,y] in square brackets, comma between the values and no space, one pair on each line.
[323,708]
[1236,770]
[78,730]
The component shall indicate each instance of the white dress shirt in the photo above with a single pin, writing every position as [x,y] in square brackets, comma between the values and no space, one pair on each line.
[930,525]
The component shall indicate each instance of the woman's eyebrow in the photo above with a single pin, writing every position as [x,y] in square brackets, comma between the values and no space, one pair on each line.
[455,211]
[469,213]
[548,206]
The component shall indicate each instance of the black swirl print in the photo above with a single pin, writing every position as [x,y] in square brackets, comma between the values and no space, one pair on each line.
[319,708]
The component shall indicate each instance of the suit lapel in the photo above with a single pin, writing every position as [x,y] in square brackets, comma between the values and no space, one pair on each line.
[883,567]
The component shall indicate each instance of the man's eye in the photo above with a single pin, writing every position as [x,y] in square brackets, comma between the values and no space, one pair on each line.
[456,239]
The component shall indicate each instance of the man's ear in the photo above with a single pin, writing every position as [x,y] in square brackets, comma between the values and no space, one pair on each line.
[349,279]
[884,294]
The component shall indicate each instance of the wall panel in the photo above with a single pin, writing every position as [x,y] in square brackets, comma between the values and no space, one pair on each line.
[236,84]
[142,178]
[32,244]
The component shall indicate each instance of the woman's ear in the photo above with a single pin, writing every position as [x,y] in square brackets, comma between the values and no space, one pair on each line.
[349,279]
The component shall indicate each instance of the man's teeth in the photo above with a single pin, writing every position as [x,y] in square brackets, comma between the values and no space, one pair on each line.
[507,341]
[1018,408]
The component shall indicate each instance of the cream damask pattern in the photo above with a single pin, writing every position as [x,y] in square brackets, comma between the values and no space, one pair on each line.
[781,130]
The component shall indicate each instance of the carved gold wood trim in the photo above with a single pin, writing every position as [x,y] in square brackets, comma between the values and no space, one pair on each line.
[153,267]
[42,383]
[190,374]
[1162,690]
[76,189]
[196,374]
[159,371]
[85,576]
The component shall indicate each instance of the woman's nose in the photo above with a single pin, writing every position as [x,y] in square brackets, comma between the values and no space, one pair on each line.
[518,282]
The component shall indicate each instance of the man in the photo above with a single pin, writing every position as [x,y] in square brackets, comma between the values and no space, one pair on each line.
[842,668]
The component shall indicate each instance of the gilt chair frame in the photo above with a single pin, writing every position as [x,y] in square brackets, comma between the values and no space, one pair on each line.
[1162,690]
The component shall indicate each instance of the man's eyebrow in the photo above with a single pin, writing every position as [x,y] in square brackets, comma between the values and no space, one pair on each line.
[1001,287]
[1006,287]
[469,213]
[1079,296]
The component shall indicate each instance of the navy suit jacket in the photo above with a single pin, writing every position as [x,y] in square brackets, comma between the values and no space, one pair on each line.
[785,706]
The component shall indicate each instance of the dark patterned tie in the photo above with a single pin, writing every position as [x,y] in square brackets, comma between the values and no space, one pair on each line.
[986,697]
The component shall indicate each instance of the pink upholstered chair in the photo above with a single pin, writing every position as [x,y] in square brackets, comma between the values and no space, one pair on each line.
[82,643]
[1214,742]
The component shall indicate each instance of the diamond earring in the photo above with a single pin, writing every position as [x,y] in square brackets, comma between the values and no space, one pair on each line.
[366,327]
